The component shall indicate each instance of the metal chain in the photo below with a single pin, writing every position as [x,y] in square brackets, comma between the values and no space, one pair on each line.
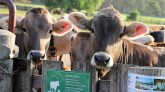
[5,72]
[10,74]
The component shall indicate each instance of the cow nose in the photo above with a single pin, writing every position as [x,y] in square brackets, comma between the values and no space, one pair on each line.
[37,55]
[34,54]
[101,60]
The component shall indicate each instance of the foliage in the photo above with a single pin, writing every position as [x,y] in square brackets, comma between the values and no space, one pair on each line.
[133,15]
[154,8]
[145,7]
[69,5]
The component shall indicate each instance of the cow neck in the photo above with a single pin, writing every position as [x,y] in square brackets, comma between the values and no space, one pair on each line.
[126,52]
[25,45]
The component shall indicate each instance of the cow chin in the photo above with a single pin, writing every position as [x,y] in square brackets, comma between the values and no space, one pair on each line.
[102,60]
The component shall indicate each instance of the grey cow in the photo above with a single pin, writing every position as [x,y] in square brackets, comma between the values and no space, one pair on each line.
[34,32]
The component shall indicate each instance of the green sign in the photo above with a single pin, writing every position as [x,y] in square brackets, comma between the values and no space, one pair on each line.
[66,81]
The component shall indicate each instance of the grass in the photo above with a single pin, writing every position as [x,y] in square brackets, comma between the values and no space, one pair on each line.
[22,13]
[6,11]
[30,5]
[147,20]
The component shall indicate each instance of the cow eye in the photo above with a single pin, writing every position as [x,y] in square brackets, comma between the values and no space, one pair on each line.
[50,31]
[24,30]
[92,30]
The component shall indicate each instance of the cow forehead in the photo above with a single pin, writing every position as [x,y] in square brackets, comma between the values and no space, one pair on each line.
[109,12]
[41,13]
[109,18]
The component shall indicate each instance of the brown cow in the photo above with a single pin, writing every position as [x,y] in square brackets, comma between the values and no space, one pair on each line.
[153,28]
[108,45]
[62,44]
[34,32]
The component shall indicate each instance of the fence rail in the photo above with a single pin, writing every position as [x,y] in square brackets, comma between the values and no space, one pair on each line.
[25,81]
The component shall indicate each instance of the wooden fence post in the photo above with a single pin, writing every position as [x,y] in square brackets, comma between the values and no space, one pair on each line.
[119,77]
[118,82]
[6,69]
[22,78]
[103,86]
[46,64]
[86,67]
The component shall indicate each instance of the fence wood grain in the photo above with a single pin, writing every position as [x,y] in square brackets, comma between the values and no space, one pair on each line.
[149,71]
[6,69]
[103,86]
[22,80]
[118,79]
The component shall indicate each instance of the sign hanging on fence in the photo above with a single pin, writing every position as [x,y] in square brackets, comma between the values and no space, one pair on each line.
[143,83]
[66,81]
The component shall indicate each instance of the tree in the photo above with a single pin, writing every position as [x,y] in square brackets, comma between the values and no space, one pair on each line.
[153,8]
[68,5]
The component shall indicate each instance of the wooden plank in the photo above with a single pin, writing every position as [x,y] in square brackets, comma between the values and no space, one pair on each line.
[149,71]
[47,64]
[119,77]
[84,66]
[37,81]
[6,69]
[104,86]
[22,80]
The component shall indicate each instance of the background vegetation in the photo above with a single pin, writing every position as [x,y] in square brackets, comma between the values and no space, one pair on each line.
[147,11]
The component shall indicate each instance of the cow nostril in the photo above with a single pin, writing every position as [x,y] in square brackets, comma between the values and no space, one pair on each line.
[106,61]
[43,56]
[97,58]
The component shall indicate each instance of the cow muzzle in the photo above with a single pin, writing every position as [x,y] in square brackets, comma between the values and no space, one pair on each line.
[34,55]
[102,60]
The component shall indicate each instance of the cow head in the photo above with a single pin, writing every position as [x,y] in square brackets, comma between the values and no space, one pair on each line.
[109,31]
[39,25]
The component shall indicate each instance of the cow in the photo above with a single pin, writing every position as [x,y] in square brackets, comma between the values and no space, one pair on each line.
[62,44]
[34,32]
[148,37]
[108,45]
[157,36]
[154,28]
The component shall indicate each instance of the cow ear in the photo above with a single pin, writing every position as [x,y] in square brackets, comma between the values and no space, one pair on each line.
[20,25]
[136,29]
[78,19]
[61,27]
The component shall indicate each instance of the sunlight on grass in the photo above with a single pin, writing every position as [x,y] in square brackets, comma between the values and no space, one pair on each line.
[6,11]
[30,5]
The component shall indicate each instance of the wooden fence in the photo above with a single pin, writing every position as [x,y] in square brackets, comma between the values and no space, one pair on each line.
[25,81]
